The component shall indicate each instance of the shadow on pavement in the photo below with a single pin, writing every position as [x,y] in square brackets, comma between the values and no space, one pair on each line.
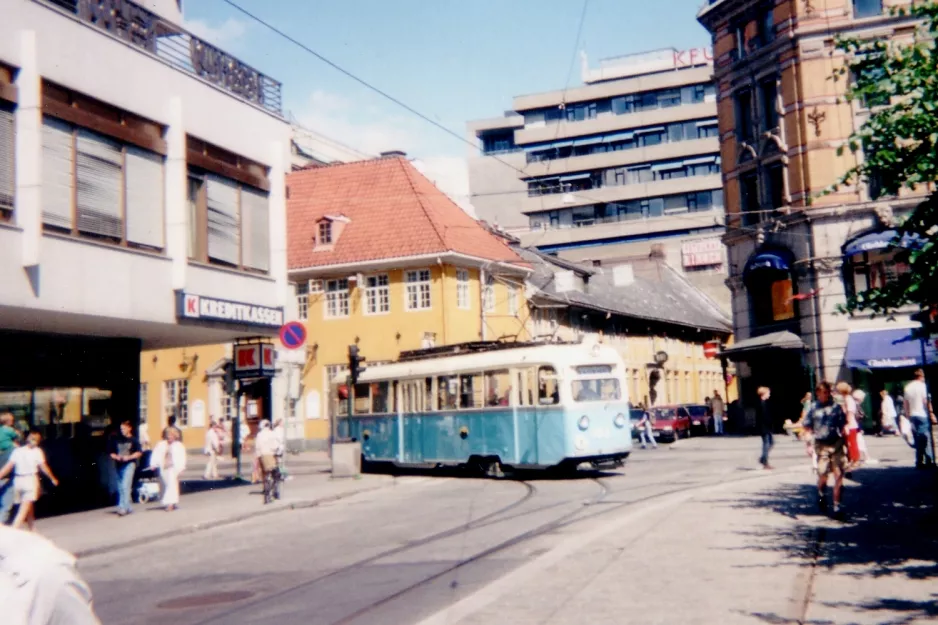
[890,531]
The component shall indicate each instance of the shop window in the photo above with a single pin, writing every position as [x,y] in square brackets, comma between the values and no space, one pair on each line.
[873,270]
[772,299]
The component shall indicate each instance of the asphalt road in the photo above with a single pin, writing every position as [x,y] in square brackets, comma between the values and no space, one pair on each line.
[398,555]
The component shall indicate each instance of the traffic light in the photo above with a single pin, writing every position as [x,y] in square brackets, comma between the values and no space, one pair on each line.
[355,361]
[229,378]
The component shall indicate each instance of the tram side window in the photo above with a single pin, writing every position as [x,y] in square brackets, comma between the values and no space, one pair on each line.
[341,400]
[428,403]
[548,392]
[498,388]
[527,381]
[447,390]
[380,397]
[362,403]
[470,390]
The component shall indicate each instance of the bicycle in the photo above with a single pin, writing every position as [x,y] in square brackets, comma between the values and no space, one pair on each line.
[272,481]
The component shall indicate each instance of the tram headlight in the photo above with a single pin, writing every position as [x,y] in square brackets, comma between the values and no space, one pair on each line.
[619,420]
[583,423]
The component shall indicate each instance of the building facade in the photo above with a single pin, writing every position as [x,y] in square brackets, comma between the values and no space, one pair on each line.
[382,259]
[625,166]
[796,253]
[141,207]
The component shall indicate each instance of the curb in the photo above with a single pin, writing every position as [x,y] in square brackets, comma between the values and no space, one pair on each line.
[198,527]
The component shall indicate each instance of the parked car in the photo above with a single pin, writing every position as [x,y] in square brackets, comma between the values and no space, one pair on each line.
[671,422]
[701,421]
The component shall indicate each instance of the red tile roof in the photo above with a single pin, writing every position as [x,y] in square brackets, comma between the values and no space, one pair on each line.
[394,211]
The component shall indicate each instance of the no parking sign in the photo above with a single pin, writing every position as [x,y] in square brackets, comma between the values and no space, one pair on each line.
[293,335]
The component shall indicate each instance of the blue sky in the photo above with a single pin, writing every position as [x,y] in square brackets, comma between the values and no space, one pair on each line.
[453,60]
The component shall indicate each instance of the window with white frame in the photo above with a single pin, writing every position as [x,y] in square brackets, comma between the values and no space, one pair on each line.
[143,407]
[337,298]
[228,405]
[512,299]
[377,295]
[176,401]
[302,300]
[325,232]
[418,289]
[462,289]
[488,293]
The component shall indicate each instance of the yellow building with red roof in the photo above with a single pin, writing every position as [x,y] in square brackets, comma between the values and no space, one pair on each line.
[382,259]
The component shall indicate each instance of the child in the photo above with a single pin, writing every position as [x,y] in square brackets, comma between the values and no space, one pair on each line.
[25,463]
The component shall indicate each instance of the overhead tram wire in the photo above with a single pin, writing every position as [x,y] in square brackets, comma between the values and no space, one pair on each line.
[406,106]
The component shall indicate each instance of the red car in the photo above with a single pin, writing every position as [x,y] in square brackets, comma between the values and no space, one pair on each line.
[671,422]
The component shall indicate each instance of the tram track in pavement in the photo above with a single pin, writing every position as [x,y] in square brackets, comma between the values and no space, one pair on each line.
[581,513]
[557,524]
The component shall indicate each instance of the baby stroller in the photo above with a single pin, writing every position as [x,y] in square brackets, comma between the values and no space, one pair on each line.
[148,480]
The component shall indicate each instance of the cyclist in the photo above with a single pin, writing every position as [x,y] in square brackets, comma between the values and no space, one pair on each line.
[266,448]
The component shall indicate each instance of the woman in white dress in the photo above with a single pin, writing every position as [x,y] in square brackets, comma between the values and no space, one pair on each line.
[169,457]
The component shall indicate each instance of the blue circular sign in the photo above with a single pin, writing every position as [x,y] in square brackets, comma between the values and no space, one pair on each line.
[293,335]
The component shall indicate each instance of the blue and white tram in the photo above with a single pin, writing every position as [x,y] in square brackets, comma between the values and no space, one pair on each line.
[553,405]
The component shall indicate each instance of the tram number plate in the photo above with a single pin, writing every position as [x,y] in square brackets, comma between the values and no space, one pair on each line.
[601,433]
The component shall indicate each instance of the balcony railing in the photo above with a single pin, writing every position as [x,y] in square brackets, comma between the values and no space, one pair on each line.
[176,47]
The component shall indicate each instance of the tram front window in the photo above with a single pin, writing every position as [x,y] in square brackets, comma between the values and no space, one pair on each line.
[606,389]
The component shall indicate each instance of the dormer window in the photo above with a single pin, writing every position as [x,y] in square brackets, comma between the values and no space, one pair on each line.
[325,232]
[328,230]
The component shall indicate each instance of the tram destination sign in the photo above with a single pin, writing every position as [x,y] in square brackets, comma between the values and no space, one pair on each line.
[192,306]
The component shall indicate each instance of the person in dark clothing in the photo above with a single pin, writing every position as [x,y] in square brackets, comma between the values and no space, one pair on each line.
[124,450]
[764,421]
[171,425]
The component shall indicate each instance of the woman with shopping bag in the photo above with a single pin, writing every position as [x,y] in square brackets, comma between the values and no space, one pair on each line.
[852,430]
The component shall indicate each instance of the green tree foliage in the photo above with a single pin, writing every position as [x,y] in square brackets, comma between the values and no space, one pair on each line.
[898,81]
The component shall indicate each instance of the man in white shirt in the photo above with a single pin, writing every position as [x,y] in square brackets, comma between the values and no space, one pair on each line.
[718,409]
[918,408]
[39,584]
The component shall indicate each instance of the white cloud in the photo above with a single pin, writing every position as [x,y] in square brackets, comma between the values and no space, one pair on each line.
[217,34]
[364,126]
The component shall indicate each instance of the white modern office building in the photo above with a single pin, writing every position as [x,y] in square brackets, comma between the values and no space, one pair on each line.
[142,205]
[623,167]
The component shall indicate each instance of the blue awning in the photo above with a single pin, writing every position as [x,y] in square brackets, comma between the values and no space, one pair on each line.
[887,349]
[667,166]
[583,176]
[880,240]
[702,160]
[773,261]
[537,147]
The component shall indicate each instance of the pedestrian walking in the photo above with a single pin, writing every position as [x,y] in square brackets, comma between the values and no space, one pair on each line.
[807,402]
[918,407]
[718,408]
[888,414]
[212,450]
[40,584]
[764,421]
[280,433]
[25,464]
[646,430]
[9,440]
[827,423]
[849,406]
[169,458]
[124,451]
